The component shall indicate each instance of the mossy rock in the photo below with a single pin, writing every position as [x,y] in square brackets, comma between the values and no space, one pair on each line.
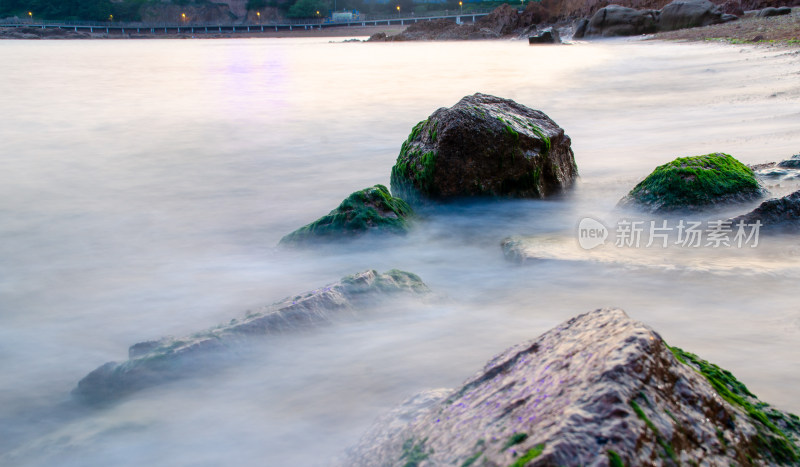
[484,146]
[778,432]
[695,183]
[372,209]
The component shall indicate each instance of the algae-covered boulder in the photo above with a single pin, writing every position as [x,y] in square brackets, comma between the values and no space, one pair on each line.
[484,146]
[372,209]
[694,183]
[170,358]
[599,389]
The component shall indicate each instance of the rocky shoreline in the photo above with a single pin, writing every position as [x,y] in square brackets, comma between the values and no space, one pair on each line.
[765,23]
[778,31]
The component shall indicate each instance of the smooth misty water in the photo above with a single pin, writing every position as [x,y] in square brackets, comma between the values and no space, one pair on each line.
[146,183]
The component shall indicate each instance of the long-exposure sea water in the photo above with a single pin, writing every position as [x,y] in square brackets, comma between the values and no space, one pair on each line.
[145,185]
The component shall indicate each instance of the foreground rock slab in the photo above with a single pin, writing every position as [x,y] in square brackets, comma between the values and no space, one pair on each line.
[695,183]
[372,209]
[154,362]
[484,146]
[599,389]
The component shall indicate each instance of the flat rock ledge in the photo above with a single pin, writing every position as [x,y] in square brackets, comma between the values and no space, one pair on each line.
[600,389]
[166,359]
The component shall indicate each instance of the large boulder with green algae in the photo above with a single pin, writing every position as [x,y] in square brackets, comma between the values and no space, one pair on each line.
[484,146]
[372,209]
[599,389]
[155,362]
[695,183]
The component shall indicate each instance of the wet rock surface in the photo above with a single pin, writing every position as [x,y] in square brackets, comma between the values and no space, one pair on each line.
[682,14]
[615,20]
[155,362]
[599,389]
[547,36]
[693,184]
[372,209]
[777,214]
[484,146]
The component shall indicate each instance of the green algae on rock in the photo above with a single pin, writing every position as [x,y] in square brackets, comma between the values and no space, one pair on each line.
[372,209]
[695,183]
[484,146]
[598,389]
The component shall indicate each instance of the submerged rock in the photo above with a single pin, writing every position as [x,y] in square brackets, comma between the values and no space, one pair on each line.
[372,209]
[615,20]
[547,36]
[777,214]
[682,14]
[154,362]
[694,183]
[599,389]
[484,146]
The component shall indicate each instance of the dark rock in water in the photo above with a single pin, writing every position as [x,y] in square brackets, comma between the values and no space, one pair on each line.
[772,11]
[484,146]
[547,36]
[777,214]
[377,37]
[615,20]
[793,163]
[580,28]
[681,14]
[371,209]
[599,389]
[695,183]
[155,362]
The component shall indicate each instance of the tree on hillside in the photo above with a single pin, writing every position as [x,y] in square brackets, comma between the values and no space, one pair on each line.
[308,9]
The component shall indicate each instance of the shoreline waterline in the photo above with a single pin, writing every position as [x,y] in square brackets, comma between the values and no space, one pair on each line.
[163,173]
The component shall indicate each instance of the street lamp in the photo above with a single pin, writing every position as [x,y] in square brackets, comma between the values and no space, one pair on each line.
[461,7]
[258,13]
[111,18]
[398,10]
[30,15]
[183,17]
